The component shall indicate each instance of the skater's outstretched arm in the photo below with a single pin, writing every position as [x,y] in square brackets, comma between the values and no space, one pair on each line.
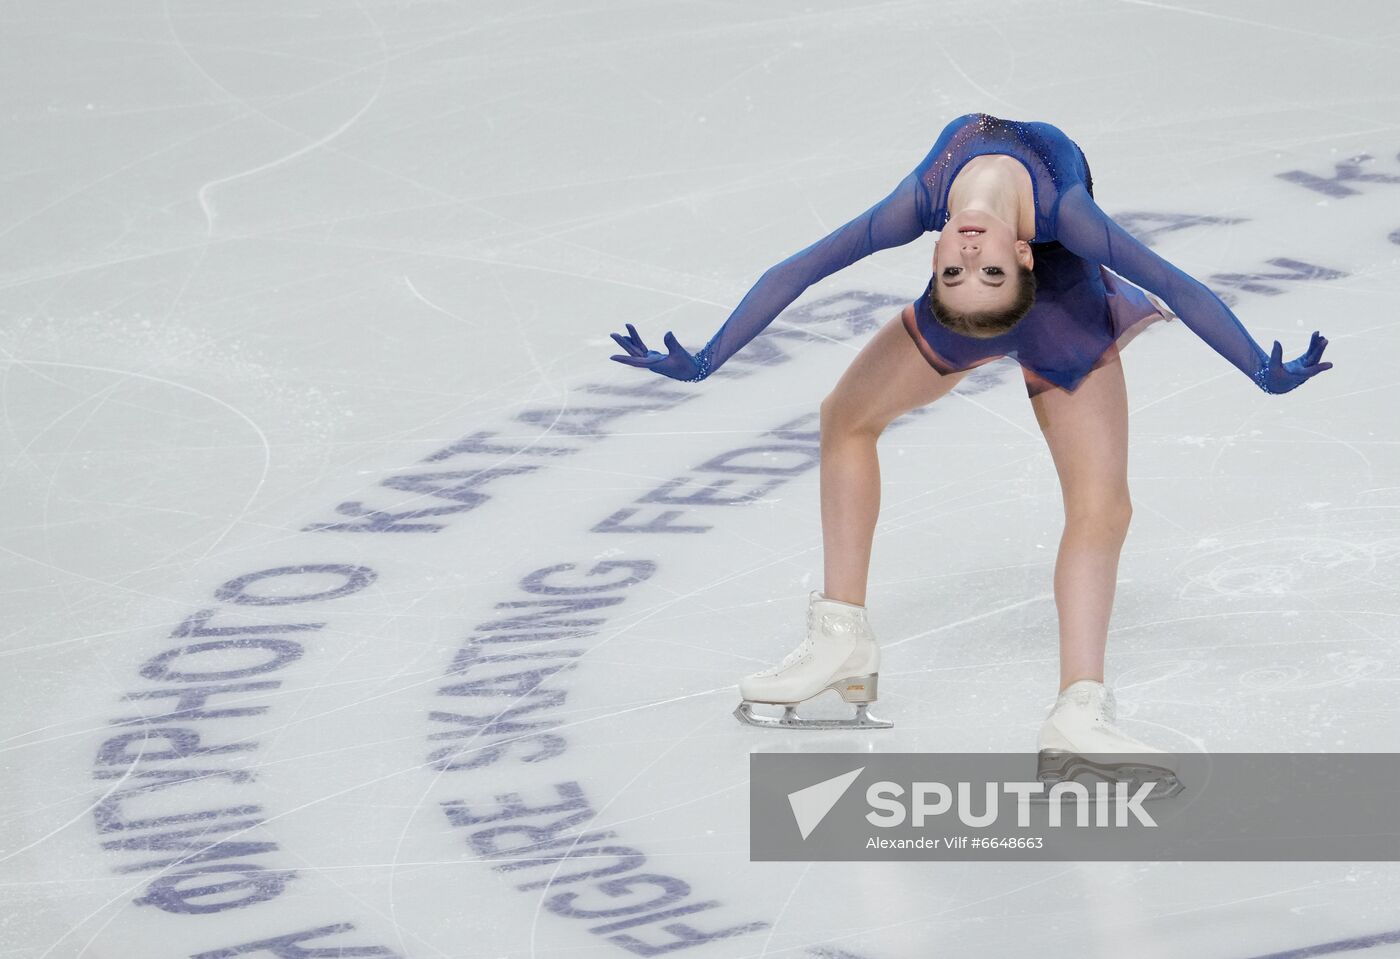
[894,221]
[1085,229]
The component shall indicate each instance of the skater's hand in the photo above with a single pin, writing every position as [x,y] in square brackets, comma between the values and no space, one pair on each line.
[1280,377]
[678,364]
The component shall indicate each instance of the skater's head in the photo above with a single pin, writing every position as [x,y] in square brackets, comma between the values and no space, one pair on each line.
[982,279]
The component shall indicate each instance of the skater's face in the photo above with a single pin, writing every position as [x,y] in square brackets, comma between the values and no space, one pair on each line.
[976,263]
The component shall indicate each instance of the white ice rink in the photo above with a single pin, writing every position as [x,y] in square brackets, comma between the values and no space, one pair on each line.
[304,312]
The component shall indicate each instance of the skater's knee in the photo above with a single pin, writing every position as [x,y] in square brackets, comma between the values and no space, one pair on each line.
[840,417]
[1107,510]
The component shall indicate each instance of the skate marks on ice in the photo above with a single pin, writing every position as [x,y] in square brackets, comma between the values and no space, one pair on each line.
[1334,562]
[1312,586]
[1345,671]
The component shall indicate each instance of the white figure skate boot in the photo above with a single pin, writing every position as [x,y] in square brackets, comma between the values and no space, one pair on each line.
[1080,741]
[839,653]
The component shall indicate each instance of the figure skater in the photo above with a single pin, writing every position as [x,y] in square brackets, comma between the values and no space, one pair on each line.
[991,188]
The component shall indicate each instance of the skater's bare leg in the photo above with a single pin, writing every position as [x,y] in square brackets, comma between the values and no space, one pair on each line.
[887,378]
[1087,432]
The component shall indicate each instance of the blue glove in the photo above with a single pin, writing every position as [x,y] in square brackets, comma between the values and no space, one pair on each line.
[678,364]
[1276,376]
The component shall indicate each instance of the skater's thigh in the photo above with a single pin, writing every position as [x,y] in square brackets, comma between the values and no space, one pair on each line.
[888,377]
[1087,432]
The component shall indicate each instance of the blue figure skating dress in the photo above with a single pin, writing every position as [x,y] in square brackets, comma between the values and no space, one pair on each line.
[1082,313]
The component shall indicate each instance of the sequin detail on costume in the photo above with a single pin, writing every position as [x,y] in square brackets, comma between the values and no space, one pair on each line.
[705,360]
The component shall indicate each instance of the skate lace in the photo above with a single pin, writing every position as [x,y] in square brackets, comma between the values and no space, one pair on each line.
[830,624]
[806,645]
[797,654]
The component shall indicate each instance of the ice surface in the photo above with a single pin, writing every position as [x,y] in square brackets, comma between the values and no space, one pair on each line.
[259,260]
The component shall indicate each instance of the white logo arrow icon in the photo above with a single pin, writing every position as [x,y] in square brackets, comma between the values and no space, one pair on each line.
[810,805]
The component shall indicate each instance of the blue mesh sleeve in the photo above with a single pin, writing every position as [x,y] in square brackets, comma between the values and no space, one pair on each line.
[897,219]
[1086,230]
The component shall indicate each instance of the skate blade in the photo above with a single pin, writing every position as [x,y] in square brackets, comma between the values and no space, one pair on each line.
[790,720]
[1057,766]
